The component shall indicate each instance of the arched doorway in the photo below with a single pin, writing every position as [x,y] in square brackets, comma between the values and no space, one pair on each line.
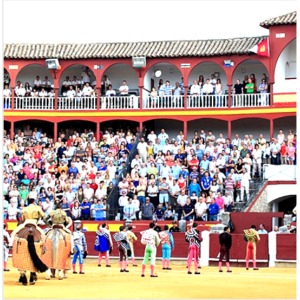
[69,128]
[243,72]
[171,126]
[211,71]
[215,125]
[251,126]
[44,127]
[165,72]
[286,70]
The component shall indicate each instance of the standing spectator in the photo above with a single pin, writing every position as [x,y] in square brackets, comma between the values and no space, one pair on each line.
[228,201]
[221,203]
[245,178]
[181,202]
[263,92]
[283,153]
[213,209]
[174,191]
[124,92]
[188,210]
[87,90]
[85,209]
[256,162]
[163,191]
[163,136]
[275,150]
[123,200]
[37,83]
[200,209]
[147,210]
[206,182]
[291,152]
[86,76]
[129,210]
[142,150]
[152,192]
[159,213]
[238,89]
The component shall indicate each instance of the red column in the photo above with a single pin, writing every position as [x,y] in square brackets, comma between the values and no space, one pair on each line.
[141,96]
[98,97]
[56,99]
[12,133]
[12,98]
[229,130]
[185,95]
[98,132]
[141,126]
[229,95]
[271,93]
[185,130]
[55,132]
[271,129]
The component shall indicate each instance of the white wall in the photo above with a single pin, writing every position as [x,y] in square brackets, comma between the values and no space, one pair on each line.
[277,191]
[118,73]
[29,73]
[283,70]
[166,70]
[247,68]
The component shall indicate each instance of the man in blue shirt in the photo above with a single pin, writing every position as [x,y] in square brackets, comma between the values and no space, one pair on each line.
[165,170]
[73,169]
[213,209]
[204,163]
[85,209]
[176,170]
[206,183]
[179,156]
[195,187]
[199,152]
[195,175]
[99,212]
[158,147]
[129,210]
[184,172]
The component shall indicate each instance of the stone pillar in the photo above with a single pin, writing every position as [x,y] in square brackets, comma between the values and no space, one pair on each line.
[204,260]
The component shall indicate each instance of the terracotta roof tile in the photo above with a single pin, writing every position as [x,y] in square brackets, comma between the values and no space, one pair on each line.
[290,18]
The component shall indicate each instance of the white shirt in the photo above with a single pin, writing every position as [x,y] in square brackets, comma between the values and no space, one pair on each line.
[200,208]
[20,92]
[71,93]
[46,82]
[6,93]
[152,137]
[51,94]
[49,209]
[221,140]
[43,94]
[100,193]
[207,88]
[209,149]
[110,93]
[88,193]
[195,89]
[85,77]
[227,199]
[67,82]
[12,212]
[142,147]
[182,199]
[37,82]
[123,200]
[87,90]
[256,154]
[245,179]
[124,89]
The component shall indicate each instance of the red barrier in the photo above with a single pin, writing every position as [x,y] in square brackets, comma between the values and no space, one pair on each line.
[238,248]
[286,246]
[243,220]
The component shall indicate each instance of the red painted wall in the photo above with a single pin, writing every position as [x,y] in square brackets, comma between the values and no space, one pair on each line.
[286,246]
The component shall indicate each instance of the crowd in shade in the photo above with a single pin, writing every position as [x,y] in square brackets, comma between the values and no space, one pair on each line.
[168,179]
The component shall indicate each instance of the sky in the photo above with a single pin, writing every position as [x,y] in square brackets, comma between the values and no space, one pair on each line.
[132,21]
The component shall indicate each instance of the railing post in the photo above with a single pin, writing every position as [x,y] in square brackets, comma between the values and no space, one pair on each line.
[229,95]
[56,99]
[12,98]
[185,96]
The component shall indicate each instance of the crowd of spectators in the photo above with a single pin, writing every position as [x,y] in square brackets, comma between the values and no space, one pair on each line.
[169,178]
[76,170]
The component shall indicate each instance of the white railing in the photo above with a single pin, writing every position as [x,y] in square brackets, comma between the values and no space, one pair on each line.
[34,103]
[250,100]
[164,102]
[120,102]
[207,101]
[76,103]
[7,103]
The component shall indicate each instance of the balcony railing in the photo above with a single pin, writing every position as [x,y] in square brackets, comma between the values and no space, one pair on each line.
[34,103]
[120,102]
[164,102]
[77,103]
[7,103]
[133,102]
[207,101]
[250,100]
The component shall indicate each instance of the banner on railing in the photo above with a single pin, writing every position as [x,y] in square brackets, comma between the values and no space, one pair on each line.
[280,173]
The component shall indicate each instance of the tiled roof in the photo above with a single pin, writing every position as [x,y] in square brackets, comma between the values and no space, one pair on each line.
[131,49]
[290,18]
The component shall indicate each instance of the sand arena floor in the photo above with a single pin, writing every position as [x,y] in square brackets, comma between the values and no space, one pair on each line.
[109,283]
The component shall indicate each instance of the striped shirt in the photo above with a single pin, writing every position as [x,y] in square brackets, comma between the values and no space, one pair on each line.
[167,90]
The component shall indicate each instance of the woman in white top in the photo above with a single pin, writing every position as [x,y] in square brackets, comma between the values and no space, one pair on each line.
[256,161]
[247,162]
[21,91]
[219,93]
[212,167]
[280,137]
[128,137]
[160,87]
[267,154]
[76,212]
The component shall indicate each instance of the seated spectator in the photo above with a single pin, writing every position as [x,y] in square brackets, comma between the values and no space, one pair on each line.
[20,92]
[188,210]
[87,90]
[43,93]
[169,213]
[37,83]
[66,85]
[6,91]
[85,209]
[110,92]
[46,84]
[147,210]
[262,229]
[159,213]
[71,93]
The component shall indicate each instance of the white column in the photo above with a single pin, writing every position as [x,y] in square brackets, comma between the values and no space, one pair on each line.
[204,260]
[272,248]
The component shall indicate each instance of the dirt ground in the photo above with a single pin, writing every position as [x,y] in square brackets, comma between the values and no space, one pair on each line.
[109,283]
